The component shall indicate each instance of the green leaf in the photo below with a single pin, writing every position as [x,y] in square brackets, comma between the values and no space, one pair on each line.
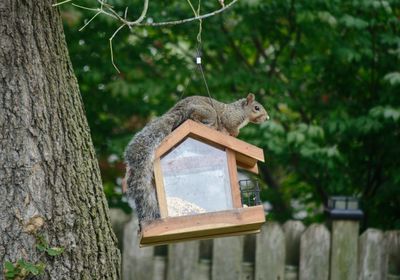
[41,266]
[41,247]
[315,132]
[393,78]
[352,22]
[332,151]
[273,127]
[382,4]
[295,137]
[349,55]
[390,39]
[30,267]
[9,266]
[21,262]
[307,151]
[391,113]
[387,112]
[10,275]
[305,16]
[55,251]
[328,18]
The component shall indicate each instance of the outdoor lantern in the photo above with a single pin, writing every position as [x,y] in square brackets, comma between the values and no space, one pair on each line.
[344,208]
[198,190]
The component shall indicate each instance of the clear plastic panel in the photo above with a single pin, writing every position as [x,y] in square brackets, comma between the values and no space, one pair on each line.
[196,179]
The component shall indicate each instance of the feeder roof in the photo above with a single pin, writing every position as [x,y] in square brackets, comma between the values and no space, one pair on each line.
[246,154]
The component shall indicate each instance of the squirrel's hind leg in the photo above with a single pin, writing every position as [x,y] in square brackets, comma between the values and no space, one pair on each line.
[204,115]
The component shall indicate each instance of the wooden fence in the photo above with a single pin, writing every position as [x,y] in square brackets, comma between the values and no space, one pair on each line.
[290,251]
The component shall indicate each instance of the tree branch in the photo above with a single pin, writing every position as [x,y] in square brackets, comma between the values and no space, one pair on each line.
[139,21]
[143,14]
[175,22]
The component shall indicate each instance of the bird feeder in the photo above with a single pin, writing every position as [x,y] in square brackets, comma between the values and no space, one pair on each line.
[198,191]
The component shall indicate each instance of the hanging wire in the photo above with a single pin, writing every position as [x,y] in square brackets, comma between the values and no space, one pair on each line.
[198,59]
[200,67]
[198,37]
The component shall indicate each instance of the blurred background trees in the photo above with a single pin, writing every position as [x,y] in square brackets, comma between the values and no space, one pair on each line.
[327,71]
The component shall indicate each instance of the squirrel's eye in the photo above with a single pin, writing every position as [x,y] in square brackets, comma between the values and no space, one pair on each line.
[256,108]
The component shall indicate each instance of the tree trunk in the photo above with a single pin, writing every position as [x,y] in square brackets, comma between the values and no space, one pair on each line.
[50,185]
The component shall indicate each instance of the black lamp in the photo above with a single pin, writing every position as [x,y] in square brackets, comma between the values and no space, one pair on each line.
[344,208]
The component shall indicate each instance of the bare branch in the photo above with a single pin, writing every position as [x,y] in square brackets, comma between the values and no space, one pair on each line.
[175,22]
[143,14]
[193,9]
[139,21]
[126,12]
[60,3]
[111,47]
[87,23]
[196,14]
[86,8]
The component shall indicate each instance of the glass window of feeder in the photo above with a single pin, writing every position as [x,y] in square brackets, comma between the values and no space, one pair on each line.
[196,179]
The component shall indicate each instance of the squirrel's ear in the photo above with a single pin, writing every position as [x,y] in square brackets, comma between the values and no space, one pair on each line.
[250,98]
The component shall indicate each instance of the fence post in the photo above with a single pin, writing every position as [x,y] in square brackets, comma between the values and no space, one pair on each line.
[314,253]
[205,254]
[227,258]
[183,260]
[204,269]
[371,255]
[270,253]
[160,264]
[247,271]
[249,255]
[137,262]
[392,255]
[344,250]
[293,231]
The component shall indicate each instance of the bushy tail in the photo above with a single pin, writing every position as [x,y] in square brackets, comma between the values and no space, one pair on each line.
[139,156]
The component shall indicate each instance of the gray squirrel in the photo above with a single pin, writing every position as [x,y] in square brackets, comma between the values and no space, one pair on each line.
[139,154]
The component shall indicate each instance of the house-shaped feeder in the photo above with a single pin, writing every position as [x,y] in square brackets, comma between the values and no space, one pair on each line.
[198,191]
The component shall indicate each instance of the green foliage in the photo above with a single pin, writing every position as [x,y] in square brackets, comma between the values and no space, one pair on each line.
[327,71]
[43,246]
[23,269]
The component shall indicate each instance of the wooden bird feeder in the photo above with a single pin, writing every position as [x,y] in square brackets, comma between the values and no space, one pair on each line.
[197,186]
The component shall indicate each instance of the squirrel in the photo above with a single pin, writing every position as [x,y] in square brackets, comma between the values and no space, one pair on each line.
[139,154]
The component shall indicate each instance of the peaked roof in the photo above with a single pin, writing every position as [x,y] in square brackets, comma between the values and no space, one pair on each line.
[247,155]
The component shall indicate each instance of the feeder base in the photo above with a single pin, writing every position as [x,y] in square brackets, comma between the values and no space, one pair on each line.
[232,222]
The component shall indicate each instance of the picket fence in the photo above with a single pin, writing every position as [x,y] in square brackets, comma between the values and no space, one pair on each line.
[280,252]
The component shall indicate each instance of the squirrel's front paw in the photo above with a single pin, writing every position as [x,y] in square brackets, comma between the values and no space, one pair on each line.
[234,133]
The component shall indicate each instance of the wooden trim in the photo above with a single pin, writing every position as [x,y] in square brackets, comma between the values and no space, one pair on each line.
[207,225]
[161,197]
[245,160]
[172,139]
[234,181]
[202,237]
[253,169]
[249,154]
[206,141]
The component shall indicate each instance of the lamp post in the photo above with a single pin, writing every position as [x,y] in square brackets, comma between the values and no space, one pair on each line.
[344,208]
[345,215]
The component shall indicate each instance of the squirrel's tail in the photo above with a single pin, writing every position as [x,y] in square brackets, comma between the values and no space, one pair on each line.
[139,156]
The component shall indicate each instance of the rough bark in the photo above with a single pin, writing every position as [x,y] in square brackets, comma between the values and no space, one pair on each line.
[48,168]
